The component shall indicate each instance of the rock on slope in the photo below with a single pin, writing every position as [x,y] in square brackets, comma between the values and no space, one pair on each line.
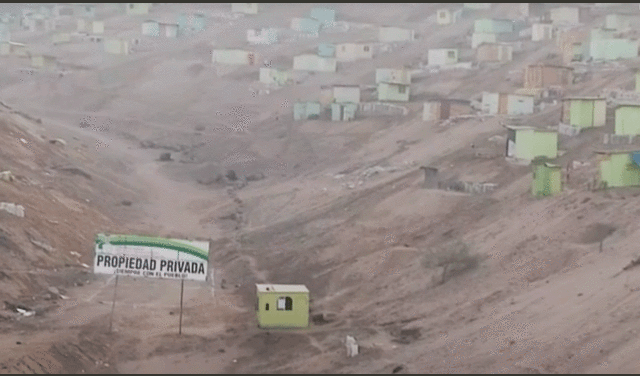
[58,225]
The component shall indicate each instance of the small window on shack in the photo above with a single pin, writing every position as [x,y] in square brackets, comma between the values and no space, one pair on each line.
[451,54]
[366,48]
[285,303]
[402,89]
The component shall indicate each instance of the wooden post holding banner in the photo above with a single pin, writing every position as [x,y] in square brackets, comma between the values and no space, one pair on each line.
[113,305]
[181,295]
[151,257]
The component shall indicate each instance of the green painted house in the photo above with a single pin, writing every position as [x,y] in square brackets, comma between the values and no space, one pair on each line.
[315,63]
[627,119]
[610,49]
[602,33]
[619,168]
[547,179]
[390,34]
[306,110]
[393,92]
[306,25]
[527,143]
[116,46]
[477,6]
[150,28]
[195,22]
[183,21]
[584,112]
[282,306]
[246,8]
[233,57]
[393,84]
[5,32]
[199,22]
[490,26]
[133,9]
[327,50]
[620,22]
[273,76]
[479,38]
[44,62]
[326,16]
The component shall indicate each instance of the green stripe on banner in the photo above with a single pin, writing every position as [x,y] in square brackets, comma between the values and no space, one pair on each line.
[146,241]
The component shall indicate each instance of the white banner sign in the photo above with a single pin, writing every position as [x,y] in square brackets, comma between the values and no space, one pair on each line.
[142,256]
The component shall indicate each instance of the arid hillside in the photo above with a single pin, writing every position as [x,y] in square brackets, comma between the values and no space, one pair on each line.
[163,142]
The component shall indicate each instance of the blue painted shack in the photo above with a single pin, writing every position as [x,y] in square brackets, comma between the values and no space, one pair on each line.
[327,50]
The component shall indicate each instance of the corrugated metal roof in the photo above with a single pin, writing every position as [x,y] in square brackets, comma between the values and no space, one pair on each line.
[516,94]
[495,44]
[525,127]
[450,100]
[550,66]
[628,105]
[496,19]
[354,44]
[584,98]
[281,288]
[619,150]
[162,20]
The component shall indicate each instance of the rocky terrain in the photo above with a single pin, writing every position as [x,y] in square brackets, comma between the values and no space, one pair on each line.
[338,206]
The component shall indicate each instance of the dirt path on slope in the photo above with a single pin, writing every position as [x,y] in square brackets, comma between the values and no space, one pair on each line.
[146,309]
[168,202]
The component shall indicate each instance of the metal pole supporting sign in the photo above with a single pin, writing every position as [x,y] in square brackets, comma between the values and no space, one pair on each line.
[181,295]
[113,305]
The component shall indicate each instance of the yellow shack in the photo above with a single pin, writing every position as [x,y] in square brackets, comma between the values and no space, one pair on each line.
[282,306]
[44,62]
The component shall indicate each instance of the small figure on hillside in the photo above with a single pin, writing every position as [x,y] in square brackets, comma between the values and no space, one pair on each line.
[352,346]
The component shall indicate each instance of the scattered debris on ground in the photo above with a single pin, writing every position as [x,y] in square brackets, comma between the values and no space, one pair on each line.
[352,346]
[75,171]
[17,210]
[7,176]
[58,141]
[397,369]
[255,177]
[44,246]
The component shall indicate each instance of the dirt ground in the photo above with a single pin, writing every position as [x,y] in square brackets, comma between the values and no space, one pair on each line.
[339,207]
